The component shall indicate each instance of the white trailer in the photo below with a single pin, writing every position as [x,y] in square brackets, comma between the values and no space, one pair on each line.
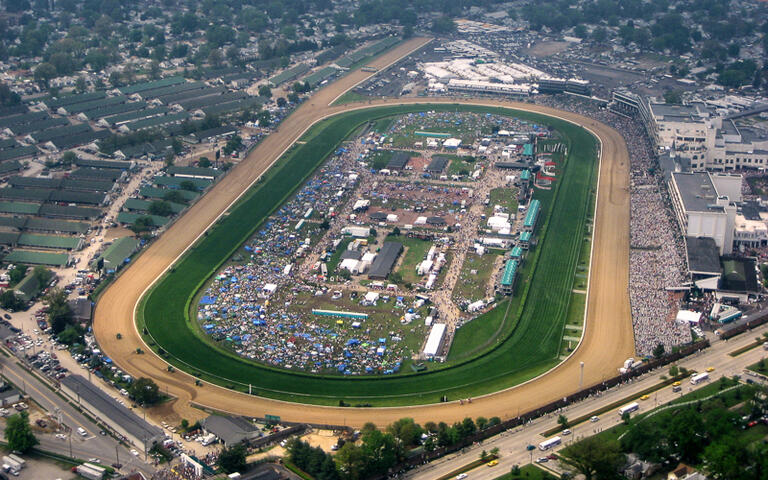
[697,379]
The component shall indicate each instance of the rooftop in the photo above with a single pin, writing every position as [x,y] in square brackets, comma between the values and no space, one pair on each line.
[109,408]
[703,255]
[697,191]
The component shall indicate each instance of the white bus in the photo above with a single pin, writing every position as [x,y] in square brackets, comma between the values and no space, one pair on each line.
[697,379]
[632,407]
[552,442]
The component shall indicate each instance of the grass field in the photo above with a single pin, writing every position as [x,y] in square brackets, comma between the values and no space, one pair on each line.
[527,346]
[472,285]
[506,197]
[528,472]
[415,251]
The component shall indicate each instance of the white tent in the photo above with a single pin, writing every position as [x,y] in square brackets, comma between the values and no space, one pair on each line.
[687,316]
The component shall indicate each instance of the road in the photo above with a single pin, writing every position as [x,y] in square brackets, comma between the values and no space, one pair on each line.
[608,319]
[512,444]
[92,446]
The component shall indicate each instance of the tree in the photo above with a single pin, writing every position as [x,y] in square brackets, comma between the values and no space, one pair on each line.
[68,158]
[160,208]
[673,97]
[188,185]
[8,97]
[169,158]
[80,85]
[18,433]
[232,459]
[580,31]
[481,422]
[154,70]
[175,196]
[9,301]
[44,73]
[406,431]
[293,97]
[115,79]
[265,91]
[145,391]
[674,371]
[658,351]
[142,224]
[59,311]
[593,457]
[71,334]
[281,102]
[203,162]
[215,58]
[562,420]
[443,25]
[600,34]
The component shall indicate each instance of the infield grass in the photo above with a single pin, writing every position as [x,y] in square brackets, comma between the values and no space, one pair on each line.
[528,345]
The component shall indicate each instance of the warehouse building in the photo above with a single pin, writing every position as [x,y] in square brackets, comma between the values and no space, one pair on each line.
[230,430]
[385,260]
[106,409]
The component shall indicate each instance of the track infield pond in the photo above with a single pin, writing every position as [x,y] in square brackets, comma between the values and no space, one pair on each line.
[527,344]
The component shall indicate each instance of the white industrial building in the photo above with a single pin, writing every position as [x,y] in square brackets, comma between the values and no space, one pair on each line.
[704,204]
[435,341]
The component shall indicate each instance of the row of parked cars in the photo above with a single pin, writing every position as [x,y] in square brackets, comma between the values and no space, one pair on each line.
[48,363]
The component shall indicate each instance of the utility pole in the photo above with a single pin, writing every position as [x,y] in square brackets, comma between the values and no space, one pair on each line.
[581,377]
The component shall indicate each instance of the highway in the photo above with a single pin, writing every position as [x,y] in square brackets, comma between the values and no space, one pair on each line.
[103,447]
[512,444]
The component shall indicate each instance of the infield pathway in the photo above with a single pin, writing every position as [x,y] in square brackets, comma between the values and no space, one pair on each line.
[608,338]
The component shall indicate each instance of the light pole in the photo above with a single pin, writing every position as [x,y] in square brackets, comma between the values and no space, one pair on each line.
[581,377]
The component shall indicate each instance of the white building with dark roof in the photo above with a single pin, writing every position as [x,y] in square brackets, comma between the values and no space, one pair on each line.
[704,204]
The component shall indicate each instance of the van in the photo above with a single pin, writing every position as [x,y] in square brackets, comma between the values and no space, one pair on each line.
[82,431]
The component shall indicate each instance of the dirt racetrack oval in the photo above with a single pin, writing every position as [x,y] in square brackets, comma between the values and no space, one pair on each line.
[607,341]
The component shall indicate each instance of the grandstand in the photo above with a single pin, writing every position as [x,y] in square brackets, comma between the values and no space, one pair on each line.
[508,277]
[531,216]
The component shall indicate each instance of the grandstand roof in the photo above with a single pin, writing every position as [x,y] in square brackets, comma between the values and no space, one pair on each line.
[532,214]
[510,270]
[37,258]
